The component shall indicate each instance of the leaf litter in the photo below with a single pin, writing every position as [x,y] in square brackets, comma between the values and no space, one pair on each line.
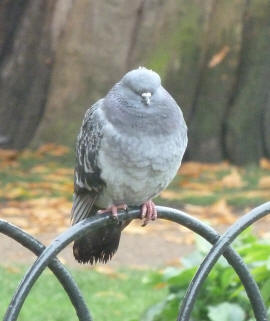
[36,192]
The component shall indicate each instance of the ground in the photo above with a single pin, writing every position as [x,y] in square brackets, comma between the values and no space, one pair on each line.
[36,193]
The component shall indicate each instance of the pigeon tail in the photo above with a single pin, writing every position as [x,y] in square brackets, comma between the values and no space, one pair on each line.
[98,246]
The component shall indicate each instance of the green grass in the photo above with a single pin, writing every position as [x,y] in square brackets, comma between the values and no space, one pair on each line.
[242,202]
[200,200]
[23,172]
[117,297]
[252,174]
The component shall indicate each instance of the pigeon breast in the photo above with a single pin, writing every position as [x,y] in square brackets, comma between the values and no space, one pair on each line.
[142,145]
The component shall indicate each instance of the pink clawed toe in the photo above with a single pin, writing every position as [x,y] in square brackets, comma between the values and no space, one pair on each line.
[113,209]
[148,212]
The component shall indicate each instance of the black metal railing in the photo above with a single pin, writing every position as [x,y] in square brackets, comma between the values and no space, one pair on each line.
[221,246]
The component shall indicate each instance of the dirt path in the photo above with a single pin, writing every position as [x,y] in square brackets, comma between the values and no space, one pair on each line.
[158,244]
[161,243]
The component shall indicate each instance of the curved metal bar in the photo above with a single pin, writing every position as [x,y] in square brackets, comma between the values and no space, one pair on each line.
[83,227]
[214,254]
[57,268]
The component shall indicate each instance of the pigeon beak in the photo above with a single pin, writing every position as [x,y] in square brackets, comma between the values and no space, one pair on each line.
[146,97]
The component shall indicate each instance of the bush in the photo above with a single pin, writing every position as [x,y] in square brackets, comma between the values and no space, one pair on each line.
[222,297]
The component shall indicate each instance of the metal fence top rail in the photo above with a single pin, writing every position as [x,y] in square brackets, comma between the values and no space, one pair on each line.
[221,246]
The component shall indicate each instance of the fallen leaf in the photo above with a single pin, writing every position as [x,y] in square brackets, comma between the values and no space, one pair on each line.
[194,185]
[223,210]
[232,180]
[189,192]
[28,153]
[265,163]
[254,193]
[192,169]
[170,195]
[15,192]
[10,211]
[9,163]
[33,230]
[39,169]
[8,154]
[52,149]
[218,213]
[218,57]
[188,189]
[45,214]
[64,171]
[195,209]
[264,182]
[195,169]
[54,177]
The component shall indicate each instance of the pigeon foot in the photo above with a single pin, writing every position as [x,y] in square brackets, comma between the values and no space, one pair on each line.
[113,209]
[148,212]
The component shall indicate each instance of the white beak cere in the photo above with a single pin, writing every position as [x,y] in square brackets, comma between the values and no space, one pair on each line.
[146,96]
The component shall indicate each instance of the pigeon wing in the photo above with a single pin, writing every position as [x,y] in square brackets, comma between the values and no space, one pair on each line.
[87,181]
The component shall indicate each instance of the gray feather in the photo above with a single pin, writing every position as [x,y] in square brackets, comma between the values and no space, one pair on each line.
[87,172]
[81,208]
[129,148]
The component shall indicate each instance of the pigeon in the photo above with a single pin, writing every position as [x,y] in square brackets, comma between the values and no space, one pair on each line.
[129,148]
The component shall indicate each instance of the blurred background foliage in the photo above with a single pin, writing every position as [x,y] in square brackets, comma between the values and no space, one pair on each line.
[57,57]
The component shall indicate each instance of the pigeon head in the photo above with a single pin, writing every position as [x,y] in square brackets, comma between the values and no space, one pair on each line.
[142,82]
[139,103]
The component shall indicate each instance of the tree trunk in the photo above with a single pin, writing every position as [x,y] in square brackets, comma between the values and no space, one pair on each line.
[26,61]
[91,56]
[213,56]
[216,78]
[246,129]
